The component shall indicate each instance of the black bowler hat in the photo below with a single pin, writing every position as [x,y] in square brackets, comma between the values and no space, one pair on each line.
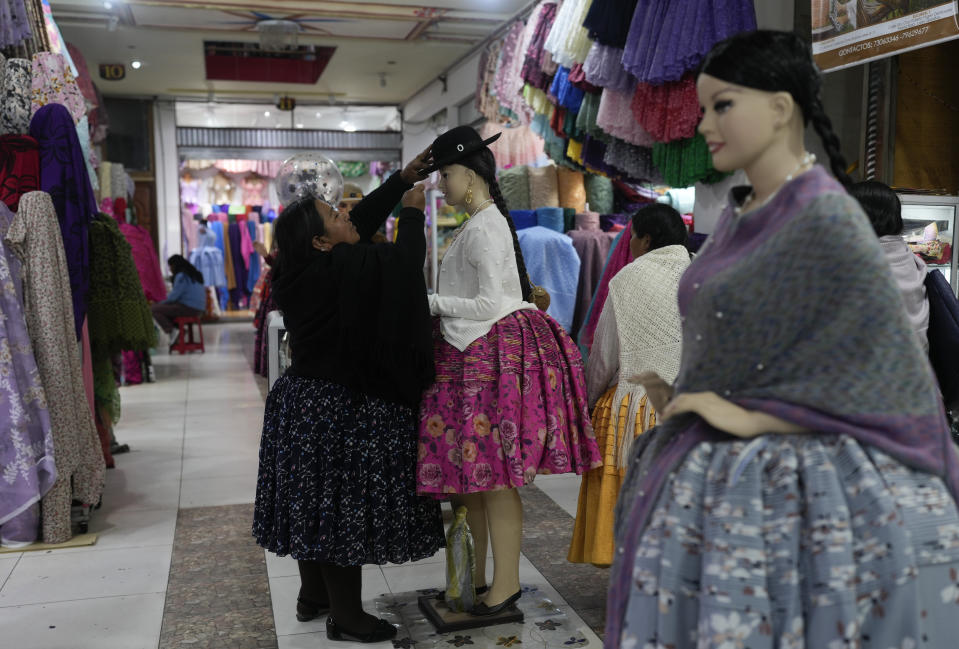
[455,144]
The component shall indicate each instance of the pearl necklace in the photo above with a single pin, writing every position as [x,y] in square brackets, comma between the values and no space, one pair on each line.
[807,161]
[482,206]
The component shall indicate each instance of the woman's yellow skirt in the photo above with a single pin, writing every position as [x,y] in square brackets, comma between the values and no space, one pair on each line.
[593,534]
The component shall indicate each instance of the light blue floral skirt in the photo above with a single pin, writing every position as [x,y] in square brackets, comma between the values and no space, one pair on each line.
[796,542]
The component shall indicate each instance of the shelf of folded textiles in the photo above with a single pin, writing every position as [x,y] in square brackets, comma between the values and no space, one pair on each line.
[447,222]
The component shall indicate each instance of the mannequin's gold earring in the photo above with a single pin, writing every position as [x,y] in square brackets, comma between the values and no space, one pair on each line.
[469,195]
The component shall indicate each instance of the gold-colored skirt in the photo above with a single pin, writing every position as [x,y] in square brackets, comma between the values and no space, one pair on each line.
[593,533]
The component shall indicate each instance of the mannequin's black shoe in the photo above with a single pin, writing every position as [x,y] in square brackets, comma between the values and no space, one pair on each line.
[482,610]
[381,631]
[482,590]
[306,610]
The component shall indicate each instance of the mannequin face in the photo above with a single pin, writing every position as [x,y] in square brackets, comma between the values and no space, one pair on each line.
[346,206]
[339,228]
[639,246]
[455,180]
[741,124]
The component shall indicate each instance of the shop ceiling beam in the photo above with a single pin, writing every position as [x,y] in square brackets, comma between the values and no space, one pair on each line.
[258,138]
[522,14]
[305,38]
[358,10]
[433,16]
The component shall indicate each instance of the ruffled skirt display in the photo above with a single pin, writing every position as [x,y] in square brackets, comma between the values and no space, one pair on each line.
[796,541]
[593,540]
[510,406]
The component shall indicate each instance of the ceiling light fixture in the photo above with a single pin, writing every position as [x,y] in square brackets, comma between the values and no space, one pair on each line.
[347,126]
[266,113]
[319,114]
[136,64]
[299,126]
[108,5]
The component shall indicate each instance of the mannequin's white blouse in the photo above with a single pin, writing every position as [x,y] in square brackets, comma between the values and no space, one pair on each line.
[478,281]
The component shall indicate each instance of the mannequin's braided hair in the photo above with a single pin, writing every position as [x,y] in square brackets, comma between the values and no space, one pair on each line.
[484,164]
[775,61]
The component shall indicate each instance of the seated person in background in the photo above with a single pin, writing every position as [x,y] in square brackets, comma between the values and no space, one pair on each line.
[186,300]
[884,210]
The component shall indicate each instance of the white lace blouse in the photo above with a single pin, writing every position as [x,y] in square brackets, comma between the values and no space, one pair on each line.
[478,281]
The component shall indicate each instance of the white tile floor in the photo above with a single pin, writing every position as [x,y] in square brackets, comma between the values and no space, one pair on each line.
[194,435]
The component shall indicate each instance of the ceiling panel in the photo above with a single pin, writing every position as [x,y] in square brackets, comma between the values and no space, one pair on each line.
[386,50]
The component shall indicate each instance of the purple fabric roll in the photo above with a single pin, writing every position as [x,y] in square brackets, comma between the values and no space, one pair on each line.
[604,67]
[608,221]
[14,25]
[667,38]
[63,175]
[239,268]
[593,248]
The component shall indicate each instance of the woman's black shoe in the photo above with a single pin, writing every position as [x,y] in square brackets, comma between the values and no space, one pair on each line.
[482,590]
[306,611]
[482,610]
[382,631]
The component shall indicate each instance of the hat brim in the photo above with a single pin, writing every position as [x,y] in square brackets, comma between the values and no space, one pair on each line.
[468,149]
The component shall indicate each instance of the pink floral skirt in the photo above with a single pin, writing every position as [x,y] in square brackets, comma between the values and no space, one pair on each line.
[512,405]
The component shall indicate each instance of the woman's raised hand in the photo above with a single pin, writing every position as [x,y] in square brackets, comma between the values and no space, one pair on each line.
[415,197]
[415,171]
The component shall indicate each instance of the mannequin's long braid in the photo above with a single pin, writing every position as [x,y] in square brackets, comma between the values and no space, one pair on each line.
[497,196]
[823,125]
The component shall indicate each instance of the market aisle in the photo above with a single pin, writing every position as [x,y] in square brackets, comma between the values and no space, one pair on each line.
[195,436]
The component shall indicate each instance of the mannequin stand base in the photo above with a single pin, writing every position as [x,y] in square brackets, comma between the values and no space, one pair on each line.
[447,621]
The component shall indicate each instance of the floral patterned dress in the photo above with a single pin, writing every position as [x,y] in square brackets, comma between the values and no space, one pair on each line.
[797,541]
[35,236]
[27,468]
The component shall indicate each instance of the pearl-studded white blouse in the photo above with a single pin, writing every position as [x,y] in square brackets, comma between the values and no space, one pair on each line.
[478,281]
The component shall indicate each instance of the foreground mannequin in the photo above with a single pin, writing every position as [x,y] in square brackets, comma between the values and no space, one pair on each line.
[800,490]
[510,397]
[337,484]
[638,331]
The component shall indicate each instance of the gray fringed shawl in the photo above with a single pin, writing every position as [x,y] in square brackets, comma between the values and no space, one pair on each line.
[792,310]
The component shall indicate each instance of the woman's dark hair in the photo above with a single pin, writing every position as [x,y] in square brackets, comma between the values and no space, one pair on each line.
[779,62]
[881,205]
[179,264]
[662,223]
[293,233]
[484,164]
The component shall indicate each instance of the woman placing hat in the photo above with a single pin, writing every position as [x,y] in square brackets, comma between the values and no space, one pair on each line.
[510,398]
[337,484]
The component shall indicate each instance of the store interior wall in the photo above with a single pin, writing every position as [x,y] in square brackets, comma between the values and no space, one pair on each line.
[842,96]
[167,175]
[927,120]
[418,131]
[775,14]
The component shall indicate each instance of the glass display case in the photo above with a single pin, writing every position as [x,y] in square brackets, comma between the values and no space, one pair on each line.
[929,227]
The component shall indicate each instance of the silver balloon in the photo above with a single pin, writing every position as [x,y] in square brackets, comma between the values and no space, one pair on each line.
[309,174]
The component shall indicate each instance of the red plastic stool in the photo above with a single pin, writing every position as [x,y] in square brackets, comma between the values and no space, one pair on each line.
[186,342]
